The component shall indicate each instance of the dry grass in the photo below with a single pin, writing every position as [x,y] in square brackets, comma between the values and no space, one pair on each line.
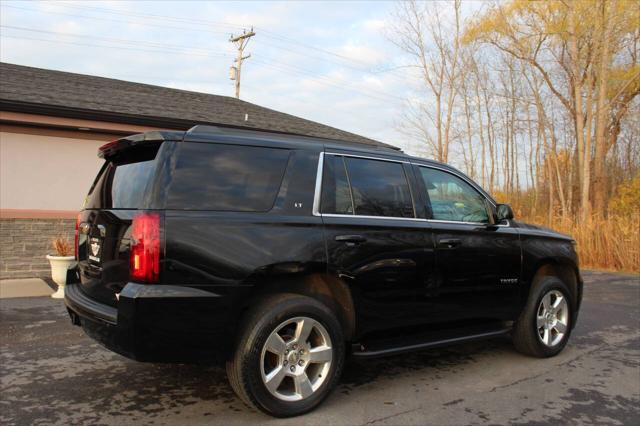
[612,243]
[62,247]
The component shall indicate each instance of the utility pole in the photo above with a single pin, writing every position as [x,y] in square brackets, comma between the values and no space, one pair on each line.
[241,42]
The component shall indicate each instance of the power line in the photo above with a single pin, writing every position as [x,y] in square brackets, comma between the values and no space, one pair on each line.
[362,66]
[203,30]
[108,39]
[383,96]
[112,47]
[209,23]
[264,63]
[325,60]
[149,15]
[188,50]
[102,18]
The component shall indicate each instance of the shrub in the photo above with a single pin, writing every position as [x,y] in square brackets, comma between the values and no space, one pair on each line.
[626,201]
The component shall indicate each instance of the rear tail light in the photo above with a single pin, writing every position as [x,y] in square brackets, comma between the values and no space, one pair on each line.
[76,236]
[145,248]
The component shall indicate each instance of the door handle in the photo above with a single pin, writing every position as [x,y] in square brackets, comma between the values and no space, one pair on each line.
[449,242]
[351,239]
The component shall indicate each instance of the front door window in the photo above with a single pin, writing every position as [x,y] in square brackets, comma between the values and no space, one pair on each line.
[453,199]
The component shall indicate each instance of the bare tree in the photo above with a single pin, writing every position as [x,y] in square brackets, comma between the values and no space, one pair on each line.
[422,31]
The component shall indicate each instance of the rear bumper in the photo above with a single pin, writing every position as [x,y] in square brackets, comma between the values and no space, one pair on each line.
[157,323]
[86,307]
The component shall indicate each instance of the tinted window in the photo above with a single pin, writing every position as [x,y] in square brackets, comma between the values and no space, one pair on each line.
[226,177]
[124,182]
[336,197]
[452,198]
[379,188]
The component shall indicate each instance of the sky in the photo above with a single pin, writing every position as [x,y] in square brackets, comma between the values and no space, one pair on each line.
[331,62]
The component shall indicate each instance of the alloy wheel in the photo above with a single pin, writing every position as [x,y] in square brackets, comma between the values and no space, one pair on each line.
[296,359]
[552,318]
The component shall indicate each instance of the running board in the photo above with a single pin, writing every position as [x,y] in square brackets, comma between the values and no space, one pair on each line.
[362,351]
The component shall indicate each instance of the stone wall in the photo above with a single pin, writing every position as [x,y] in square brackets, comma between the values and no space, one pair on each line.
[24,243]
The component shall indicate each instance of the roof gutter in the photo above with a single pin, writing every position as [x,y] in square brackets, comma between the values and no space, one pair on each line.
[61,111]
[140,120]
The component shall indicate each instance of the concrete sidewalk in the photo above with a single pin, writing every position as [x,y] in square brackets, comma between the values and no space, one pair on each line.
[25,287]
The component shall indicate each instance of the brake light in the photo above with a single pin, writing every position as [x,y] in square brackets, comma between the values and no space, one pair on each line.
[109,148]
[144,261]
[108,145]
[76,236]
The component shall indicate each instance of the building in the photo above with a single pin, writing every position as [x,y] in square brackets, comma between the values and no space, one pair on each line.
[51,125]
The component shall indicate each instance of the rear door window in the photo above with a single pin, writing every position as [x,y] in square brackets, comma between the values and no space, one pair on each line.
[365,187]
[379,188]
[226,177]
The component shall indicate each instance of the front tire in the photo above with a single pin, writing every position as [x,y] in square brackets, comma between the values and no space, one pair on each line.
[544,326]
[289,356]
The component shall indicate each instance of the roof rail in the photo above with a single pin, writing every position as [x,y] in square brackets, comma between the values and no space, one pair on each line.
[209,129]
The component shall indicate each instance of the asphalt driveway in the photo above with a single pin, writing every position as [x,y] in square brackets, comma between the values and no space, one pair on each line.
[52,373]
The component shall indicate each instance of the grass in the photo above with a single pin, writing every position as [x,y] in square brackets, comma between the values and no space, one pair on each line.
[611,244]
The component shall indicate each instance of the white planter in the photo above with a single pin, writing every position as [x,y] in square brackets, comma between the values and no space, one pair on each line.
[59,267]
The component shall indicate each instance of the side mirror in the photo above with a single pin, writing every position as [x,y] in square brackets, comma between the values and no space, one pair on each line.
[504,212]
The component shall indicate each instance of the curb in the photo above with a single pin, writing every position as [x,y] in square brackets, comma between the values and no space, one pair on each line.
[24,287]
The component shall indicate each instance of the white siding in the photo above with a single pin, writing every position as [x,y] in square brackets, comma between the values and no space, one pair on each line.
[46,172]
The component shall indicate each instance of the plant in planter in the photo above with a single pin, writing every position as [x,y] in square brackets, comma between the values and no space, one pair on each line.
[61,261]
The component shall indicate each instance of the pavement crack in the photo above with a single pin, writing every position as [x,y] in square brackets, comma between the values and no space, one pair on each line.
[370,422]
[579,356]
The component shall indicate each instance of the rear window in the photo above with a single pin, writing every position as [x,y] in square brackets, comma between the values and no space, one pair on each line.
[226,177]
[124,183]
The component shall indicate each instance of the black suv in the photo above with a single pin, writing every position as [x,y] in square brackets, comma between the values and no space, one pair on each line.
[281,255]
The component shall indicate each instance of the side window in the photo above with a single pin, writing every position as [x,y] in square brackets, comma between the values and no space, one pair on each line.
[452,198]
[210,176]
[379,188]
[336,195]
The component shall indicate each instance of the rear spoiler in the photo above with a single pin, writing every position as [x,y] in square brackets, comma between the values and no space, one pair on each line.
[110,149]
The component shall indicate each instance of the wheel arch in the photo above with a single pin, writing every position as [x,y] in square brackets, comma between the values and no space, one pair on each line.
[331,291]
[564,269]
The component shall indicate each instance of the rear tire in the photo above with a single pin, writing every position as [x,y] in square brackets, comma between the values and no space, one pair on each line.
[544,326]
[289,356]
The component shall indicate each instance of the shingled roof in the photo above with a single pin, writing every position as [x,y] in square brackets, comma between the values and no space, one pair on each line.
[65,94]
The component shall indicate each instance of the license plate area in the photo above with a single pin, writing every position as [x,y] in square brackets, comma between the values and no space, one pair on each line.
[94,249]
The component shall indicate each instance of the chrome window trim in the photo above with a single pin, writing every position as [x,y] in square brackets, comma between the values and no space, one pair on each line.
[456,221]
[360,216]
[392,160]
[480,191]
[318,192]
[419,219]
[475,186]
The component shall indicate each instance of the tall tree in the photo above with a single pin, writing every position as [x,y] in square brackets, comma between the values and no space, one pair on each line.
[421,30]
[575,47]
